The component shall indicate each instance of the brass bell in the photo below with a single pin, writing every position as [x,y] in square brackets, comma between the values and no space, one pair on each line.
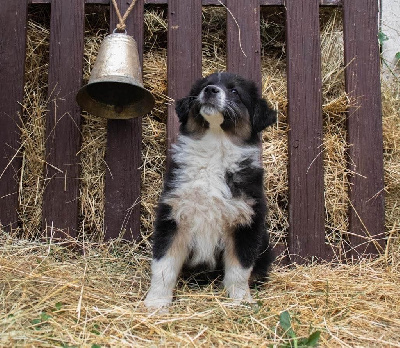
[115,88]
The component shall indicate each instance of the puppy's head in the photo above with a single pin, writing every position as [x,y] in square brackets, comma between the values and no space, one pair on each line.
[224,102]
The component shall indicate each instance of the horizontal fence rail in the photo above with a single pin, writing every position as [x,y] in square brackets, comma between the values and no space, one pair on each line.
[203,2]
[123,155]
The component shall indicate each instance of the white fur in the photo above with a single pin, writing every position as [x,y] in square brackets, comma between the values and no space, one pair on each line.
[213,117]
[202,203]
[218,102]
[164,275]
[236,282]
[212,113]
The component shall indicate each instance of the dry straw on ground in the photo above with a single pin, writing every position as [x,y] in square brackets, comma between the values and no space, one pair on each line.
[53,295]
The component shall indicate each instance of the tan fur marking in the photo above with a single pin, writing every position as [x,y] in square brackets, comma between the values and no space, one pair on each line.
[241,131]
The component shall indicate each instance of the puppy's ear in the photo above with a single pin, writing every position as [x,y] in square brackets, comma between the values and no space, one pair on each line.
[264,116]
[182,108]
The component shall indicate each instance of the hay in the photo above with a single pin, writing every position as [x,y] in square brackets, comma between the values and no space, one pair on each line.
[33,126]
[55,296]
[154,125]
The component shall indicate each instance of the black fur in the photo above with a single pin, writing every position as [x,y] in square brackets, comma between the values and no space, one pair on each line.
[164,230]
[248,97]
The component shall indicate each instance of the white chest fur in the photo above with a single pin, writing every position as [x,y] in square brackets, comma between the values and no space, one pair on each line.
[202,202]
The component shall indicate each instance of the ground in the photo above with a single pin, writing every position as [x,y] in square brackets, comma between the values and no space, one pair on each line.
[90,295]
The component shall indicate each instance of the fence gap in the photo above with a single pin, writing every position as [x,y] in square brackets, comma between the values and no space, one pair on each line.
[306,180]
[364,125]
[213,47]
[13,21]
[123,153]
[184,55]
[334,128]
[63,137]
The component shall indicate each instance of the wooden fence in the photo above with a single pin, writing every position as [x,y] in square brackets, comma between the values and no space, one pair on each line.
[306,197]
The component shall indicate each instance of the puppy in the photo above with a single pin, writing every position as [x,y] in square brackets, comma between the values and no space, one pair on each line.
[212,209]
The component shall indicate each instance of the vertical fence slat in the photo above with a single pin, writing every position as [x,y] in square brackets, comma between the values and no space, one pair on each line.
[123,154]
[244,45]
[364,125]
[184,55]
[306,183]
[12,63]
[243,39]
[63,137]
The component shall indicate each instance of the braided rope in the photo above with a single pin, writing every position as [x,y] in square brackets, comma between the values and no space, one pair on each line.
[121,25]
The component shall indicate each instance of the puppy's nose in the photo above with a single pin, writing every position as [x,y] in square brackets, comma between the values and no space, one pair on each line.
[210,90]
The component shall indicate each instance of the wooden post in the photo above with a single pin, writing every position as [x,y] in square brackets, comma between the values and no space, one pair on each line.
[243,39]
[13,17]
[184,55]
[306,181]
[244,49]
[63,137]
[123,154]
[364,124]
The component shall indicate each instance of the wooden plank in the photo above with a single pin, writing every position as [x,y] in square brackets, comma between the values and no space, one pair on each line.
[123,154]
[243,39]
[63,138]
[306,181]
[184,55]
[243,50]
[204,2]
[13,16]
[364,125]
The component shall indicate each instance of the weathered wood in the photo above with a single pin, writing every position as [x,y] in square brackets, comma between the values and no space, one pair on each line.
[184,55]
[123,154]
[63,138]
[306,182]
[204,2]
[12,64]
[364,124]
[243,39]
[243,52]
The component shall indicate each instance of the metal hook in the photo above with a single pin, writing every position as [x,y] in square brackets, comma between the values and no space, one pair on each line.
[116,30]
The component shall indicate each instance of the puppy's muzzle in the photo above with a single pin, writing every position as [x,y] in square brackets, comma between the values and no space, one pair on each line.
[211,91]
[213,95]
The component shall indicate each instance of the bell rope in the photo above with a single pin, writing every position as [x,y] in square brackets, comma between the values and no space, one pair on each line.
[121,25]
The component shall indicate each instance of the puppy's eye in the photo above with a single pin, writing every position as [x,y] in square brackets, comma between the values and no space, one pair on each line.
[234,91]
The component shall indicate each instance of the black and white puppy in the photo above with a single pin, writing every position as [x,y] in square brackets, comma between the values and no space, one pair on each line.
[212,209]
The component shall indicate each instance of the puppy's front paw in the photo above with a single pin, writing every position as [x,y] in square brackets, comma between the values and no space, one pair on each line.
[240,294]
[155,300]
